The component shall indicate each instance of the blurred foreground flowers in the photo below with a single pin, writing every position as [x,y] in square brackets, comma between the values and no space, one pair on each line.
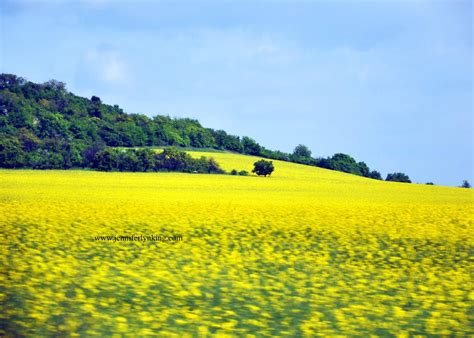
[308,252]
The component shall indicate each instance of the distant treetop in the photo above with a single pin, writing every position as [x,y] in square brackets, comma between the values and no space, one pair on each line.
[398,177]
[302,151]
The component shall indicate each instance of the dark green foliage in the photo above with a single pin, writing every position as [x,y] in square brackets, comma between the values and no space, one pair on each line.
[113,159]
[263,168]
[146,158]
[276,155]
[240,173]
[344,163]
[465,184]
[398,177]
[11,81]
[429,183]
[302,151]
[250,147]
[375,175]
[323,162]
[95,100]
[347,164]
[302,155]
[213,166]
[227,142]
[28,140]
[46,159]
[12,154]
[172,159]
[363,169]
[106,159]
[89,153]
[142,160]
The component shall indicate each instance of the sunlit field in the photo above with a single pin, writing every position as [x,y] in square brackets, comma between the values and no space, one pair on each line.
[305,252]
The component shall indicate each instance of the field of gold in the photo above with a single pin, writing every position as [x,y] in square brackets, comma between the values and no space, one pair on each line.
[305,252]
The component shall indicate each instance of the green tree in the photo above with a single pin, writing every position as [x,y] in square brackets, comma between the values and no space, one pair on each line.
[465,184]
[95,107]
[344,163]
[277,155]
[11,153]
[250,146]
[301,151]
[213,167]
[146,158]
[375,175]
[90,152]
[172,159]
[263,168]
[106,160]
[127,160]
[28,139]
[363,169]
[398,177]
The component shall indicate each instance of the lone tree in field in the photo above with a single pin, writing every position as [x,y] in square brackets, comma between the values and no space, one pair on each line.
[263,168]
[465,184]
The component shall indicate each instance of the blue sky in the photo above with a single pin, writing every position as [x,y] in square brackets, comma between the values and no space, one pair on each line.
[388,82]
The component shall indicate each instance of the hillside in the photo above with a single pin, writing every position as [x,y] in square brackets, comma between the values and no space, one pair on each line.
[306,250]
[43,126]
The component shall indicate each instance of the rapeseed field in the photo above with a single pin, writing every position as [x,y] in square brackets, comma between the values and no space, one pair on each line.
[306,252]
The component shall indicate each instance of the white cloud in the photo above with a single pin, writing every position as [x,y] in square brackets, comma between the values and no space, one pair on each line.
[105,64]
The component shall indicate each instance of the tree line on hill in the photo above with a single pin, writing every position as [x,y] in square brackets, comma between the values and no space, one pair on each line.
[170,159]
[44,126]
[344,163]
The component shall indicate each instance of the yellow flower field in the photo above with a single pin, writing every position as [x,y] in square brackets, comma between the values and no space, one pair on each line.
[305,252]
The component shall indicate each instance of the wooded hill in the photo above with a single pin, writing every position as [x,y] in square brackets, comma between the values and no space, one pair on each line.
[46,127]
